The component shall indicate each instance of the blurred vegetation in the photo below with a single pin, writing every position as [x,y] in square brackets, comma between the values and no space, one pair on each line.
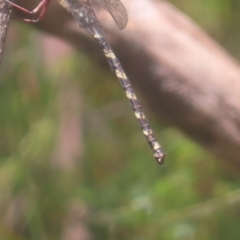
[113,189]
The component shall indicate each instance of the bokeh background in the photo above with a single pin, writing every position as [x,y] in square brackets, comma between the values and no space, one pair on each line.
[74,163]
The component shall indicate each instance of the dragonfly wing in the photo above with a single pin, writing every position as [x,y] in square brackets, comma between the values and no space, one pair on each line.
[117,11]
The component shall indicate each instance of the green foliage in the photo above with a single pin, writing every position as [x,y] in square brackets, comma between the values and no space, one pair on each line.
[118,189]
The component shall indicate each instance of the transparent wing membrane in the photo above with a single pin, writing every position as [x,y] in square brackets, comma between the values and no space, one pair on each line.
[117,11]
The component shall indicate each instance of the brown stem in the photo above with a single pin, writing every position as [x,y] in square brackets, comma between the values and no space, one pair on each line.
[186,78]
[5,13]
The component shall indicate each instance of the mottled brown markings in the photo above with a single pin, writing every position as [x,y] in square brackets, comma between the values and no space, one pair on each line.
[86,18]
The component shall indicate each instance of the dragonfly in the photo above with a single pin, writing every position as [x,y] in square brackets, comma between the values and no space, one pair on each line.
[83,13]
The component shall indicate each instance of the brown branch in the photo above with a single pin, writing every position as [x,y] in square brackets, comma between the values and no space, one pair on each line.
[187,79]
[5,13]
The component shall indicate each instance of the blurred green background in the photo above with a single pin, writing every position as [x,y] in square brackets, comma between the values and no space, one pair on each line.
[73,159]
